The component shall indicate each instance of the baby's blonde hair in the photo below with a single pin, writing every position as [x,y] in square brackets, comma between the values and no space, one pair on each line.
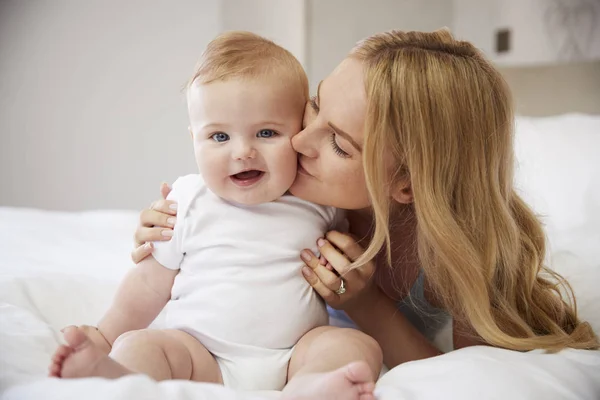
[245,55]
[444,114]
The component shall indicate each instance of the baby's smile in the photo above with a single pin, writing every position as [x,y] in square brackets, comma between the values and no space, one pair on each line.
[247,178]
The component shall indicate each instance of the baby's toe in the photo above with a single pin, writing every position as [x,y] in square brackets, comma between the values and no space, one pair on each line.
[54,370]
[60,353]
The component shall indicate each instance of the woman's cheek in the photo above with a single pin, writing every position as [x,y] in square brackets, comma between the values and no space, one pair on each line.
[352,185]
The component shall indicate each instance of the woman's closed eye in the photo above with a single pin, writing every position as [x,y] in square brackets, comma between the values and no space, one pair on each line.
[266,134]
[219,137]
[336,148]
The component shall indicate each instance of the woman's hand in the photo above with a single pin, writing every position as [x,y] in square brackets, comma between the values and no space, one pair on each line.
[156,224]
[338,251]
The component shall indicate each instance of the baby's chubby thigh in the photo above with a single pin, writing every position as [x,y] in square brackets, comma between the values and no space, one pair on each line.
[166,354]
[327,348]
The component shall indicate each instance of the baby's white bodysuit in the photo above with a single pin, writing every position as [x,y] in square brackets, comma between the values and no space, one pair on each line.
[240,289]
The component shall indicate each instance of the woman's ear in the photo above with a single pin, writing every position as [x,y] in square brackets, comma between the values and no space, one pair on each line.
[403,193]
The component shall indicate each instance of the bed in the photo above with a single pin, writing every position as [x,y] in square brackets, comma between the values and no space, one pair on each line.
[62,268]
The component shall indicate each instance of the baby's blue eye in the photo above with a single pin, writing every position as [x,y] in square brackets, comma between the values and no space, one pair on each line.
[220,137]
[266,133]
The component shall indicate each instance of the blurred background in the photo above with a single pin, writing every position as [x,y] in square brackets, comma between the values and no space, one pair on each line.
[92,115]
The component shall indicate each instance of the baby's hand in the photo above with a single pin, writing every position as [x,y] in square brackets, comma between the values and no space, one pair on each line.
[96,337]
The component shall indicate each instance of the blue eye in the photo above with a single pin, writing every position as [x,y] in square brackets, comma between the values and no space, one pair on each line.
[220,137]
[266,133]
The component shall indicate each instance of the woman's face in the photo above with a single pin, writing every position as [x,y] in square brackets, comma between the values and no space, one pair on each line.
[330,168]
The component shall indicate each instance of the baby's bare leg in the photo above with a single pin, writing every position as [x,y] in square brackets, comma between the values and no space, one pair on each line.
[166,354]
[161,354]
[329,362]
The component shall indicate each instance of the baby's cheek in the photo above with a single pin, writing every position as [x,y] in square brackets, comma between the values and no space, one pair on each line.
[289,155]
[287,162]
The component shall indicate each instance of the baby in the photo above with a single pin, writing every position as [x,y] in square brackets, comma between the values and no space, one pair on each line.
[235,301]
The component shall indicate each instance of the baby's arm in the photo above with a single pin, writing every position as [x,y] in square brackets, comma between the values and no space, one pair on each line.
[140,298]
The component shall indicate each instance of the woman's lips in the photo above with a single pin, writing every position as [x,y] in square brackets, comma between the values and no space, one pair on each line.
[302,170]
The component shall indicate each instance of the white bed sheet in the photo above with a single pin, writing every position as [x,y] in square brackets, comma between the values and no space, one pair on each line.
[63,268]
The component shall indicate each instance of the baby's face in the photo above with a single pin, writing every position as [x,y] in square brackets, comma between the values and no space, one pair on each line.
[242,131]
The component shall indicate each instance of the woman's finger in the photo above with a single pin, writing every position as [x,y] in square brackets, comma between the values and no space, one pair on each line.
[338,260]
[151,218]
[158,234]
[165,189]
[346,243]
[141,252]
[313,280]
[352,251]
[326,277]
[164,206]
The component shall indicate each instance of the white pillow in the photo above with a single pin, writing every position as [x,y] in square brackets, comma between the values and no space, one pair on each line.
[558,174]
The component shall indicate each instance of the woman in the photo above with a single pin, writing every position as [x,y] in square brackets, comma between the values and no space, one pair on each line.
[412,134]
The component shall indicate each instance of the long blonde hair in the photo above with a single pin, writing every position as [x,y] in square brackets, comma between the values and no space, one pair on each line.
[445,115]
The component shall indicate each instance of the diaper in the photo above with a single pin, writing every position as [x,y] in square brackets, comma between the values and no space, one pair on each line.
[246,367]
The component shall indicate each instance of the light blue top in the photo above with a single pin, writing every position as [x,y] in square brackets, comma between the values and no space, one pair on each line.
[428,319]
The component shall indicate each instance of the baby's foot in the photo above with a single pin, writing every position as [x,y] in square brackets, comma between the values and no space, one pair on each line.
[82,358]
[58,359]
[352,382]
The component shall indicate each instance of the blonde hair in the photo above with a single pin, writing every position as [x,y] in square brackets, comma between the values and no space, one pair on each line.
[445,115]
[239,54]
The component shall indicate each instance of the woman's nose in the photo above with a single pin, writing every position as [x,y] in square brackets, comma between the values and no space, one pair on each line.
[304,143]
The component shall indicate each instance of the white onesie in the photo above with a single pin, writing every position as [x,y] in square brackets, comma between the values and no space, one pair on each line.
[240,289]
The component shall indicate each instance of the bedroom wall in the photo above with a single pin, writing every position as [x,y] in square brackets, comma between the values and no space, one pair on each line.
[334,26]
[552,63]
[555,89]
[90,99]
[542,32]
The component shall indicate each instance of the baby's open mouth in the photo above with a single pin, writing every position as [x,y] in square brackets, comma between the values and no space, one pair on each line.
[247,178]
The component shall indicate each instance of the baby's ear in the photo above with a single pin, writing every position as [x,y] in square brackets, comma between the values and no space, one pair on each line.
[403,193]
[191,134]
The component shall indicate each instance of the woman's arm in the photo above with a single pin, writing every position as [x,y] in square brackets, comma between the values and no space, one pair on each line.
[377,315]
[141,296]
[374,312]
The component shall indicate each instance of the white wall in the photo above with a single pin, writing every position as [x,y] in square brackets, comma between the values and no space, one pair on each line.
[543,31]
[334,26]
[91,112]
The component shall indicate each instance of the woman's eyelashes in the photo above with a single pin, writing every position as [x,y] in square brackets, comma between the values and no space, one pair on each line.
[314,104]
[337,149]
[221,137]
